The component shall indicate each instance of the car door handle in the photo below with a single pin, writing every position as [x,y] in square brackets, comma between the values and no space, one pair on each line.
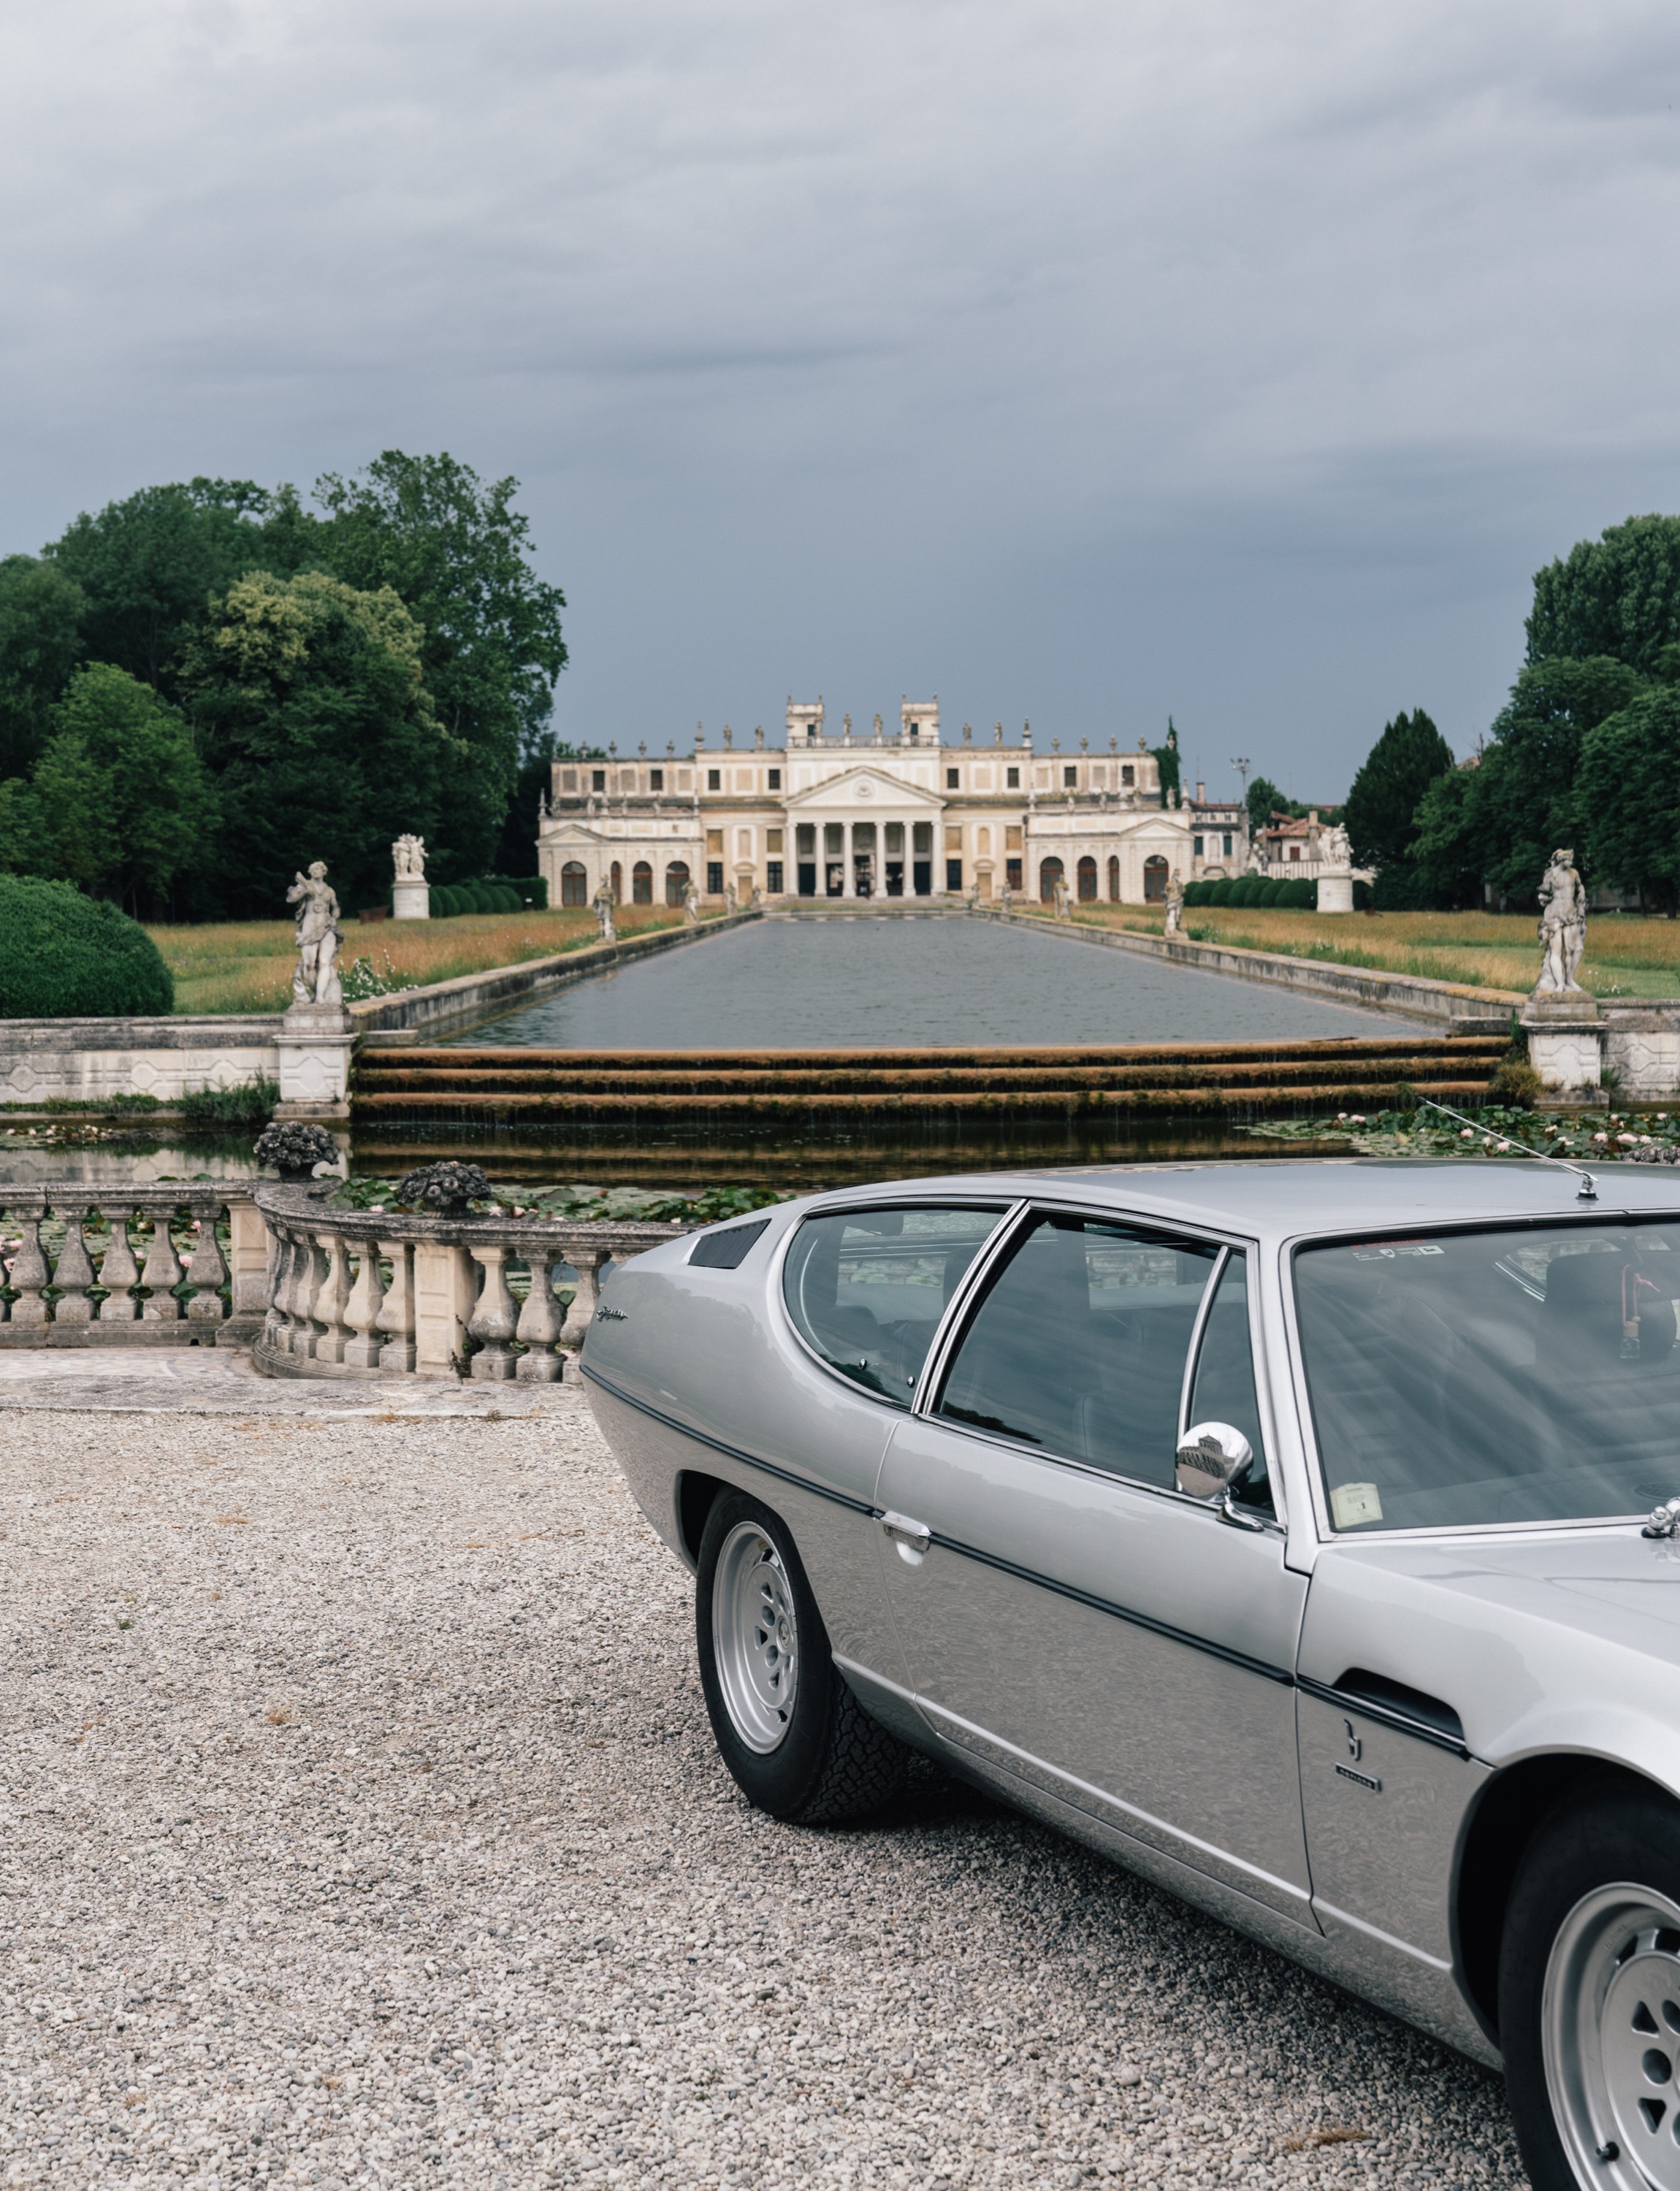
[911,1538]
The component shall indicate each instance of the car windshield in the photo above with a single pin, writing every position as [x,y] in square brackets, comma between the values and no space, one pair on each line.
[1474,1378]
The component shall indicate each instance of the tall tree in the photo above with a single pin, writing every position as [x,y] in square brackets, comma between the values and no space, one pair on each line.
[40,644]
[120,791]
[1627,793]
[1384,798]
[458,554]
[149,565]
[308,701]
[1618,595]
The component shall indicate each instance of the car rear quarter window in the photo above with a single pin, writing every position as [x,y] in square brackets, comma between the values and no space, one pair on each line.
[866,1289]
[1079,1344]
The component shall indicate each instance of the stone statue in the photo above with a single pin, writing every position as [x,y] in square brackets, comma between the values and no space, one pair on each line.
[691,906]
[729,905]
[1562,926]
[1338,847]
[1254,866]
[602,904]
[1060,898]
[1007,900]
[409,856]
[316,980]
[1174,905]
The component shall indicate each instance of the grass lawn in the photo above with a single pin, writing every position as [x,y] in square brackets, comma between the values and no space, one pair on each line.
[246,966]
[1626,955]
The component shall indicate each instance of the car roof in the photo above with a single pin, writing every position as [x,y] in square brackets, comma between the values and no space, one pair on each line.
[1281,1199]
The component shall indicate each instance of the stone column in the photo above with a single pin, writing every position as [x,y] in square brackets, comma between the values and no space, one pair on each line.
[493,1319]
[396,1318]
[411,901]
[250,1253]
[315,1048]
[848,874]
[443,1303]
[580,1315]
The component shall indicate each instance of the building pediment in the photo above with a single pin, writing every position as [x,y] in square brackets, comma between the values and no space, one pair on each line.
[861,789]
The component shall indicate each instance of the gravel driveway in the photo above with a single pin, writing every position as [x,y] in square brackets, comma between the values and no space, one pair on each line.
[362,1825]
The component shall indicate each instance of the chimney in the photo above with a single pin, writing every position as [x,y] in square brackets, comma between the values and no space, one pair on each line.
[1201,794]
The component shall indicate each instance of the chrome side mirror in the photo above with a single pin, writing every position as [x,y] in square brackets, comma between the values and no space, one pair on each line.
[1214,1460]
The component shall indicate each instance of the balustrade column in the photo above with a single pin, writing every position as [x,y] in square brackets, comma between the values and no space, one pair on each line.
[309,1272]
[327,1310]
[539,1323]
[492,1323]
[361,1311]
[119,1273]
[587,1262]
[207,1272]
[162,1273]
[75,1270]
[31,1276]
[396,1312]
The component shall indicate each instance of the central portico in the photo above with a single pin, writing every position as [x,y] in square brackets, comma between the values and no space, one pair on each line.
[865,834]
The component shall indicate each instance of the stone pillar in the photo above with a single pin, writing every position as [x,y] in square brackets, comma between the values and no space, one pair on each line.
[315,1048]
[1336,893]
[248,1253]
[1566,1042]
[411,901]
[848,874]
[579,1317]
[444,1292]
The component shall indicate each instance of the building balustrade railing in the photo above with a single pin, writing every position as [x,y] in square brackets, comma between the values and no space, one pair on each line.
[179,1263]
[360,1293]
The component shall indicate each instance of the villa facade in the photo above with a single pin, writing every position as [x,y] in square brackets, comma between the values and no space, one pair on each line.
[895,816]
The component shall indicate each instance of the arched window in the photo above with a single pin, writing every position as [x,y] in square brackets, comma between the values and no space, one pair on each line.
[1087,880]
[618,883]
[1049,873]
[574,884]
[1154,880]
[676,882]
[1113,878]
[642,883]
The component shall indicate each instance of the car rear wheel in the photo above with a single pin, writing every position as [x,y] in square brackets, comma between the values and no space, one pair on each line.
[798,1742]
[1590,1996]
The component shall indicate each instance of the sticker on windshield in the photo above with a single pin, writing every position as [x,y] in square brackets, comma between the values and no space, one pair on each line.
[1351,1504]
[1386,1254]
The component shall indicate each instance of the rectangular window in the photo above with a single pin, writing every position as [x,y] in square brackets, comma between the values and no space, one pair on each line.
[713,779]
[568,779]
[1011,779]
[1128,774]
[773,840]
[600,779]
[656,779]
[714,840]
[1227,844]
[1196,846]
[774,779]
[1012,874]
[1070,778]
[953,778]
[954,874]
[772,877]
[715,878]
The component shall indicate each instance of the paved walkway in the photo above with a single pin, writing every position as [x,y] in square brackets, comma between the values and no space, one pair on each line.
[222,1381]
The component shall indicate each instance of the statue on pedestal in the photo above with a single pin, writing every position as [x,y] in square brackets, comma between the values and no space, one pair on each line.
[1563,927]
[408,855]
[1174,904]
[1060,898]
[316,981]
[691,906]
[601,905]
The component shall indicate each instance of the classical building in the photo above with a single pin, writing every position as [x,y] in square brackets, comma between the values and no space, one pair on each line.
[891,816]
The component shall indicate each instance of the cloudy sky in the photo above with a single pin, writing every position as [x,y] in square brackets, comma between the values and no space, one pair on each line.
[1081,361]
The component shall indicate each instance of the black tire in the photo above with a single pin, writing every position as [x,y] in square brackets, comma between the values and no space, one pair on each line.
[1566,1903]
[829,1761]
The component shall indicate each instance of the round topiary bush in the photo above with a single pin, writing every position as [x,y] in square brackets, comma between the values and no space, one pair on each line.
[1302,897]
[64,956]
[442,902]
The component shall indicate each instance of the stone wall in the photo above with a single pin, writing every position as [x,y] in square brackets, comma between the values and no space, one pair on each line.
[92,1059]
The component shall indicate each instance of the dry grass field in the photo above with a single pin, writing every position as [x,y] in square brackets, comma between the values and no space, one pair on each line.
[246,966]
[1626,955]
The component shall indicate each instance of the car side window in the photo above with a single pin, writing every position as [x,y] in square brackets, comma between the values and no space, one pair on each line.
[1222,1389]
[866,1289]
[1079,1344]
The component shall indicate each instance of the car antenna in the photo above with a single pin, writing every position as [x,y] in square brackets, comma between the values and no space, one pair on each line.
[1588,1189]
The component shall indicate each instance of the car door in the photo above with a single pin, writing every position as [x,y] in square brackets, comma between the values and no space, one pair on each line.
[1065,1613]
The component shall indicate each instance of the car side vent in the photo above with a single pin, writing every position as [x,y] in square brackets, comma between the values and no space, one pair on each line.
[727,1250]
[1395,1697]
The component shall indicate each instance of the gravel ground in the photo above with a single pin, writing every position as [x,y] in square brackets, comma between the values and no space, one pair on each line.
[362,1826]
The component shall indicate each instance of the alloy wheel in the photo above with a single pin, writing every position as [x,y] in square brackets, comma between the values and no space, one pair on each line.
[755,1639]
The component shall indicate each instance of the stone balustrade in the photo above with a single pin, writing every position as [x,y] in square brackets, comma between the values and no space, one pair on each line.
[378,1292]
[182,1263]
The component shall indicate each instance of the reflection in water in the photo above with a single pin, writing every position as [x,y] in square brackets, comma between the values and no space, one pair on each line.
[856,982]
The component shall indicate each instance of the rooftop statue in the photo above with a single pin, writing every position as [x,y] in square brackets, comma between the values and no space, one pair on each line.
[316,980]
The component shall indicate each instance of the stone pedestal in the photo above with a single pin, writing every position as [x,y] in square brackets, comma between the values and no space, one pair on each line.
[1336,893]
[411,901]
[315,1047]
[1566,1040]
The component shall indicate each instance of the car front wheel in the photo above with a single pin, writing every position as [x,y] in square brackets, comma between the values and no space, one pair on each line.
[798,1742]
[1590,1996]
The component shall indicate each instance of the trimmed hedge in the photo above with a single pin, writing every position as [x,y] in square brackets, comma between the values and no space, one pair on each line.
[64,956]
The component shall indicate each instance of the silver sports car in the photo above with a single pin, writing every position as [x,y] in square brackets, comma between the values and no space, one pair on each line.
[1300,1535]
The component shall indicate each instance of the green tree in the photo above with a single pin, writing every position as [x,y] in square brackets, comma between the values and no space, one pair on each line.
[119,789]
[1264,800]
[1618,595]
[1627,793]
[149,565]
[40,644]
[1384,798]
[25,846]
[309,707]
[458,554]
